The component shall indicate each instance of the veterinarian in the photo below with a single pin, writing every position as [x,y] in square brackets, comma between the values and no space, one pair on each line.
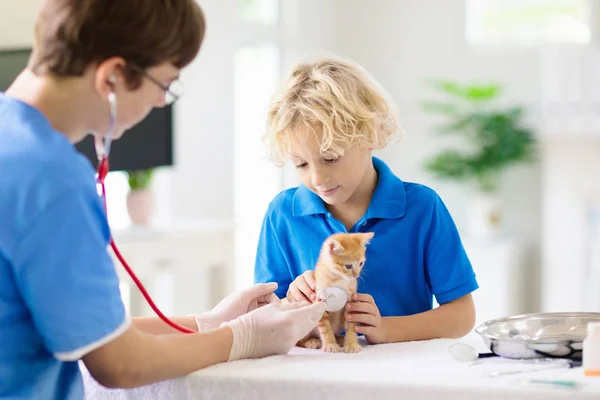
[100,67]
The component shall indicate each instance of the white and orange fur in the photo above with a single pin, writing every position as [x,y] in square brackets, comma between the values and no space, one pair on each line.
[340,263]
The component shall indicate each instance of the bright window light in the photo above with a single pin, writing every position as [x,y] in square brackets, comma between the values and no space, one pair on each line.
[527,22]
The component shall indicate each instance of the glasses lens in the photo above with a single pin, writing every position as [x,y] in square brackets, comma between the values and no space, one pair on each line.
[175,91]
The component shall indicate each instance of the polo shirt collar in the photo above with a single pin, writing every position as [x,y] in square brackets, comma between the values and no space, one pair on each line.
[306,203]
[389,198]
[388,201]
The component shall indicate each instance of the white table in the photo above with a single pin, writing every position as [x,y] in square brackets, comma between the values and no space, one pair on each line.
[421,370]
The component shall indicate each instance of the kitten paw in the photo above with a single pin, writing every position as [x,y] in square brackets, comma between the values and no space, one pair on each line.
[352,348]
[331,348]
[311,343]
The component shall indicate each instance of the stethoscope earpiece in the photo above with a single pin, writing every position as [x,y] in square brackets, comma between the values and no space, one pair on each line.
[103,143]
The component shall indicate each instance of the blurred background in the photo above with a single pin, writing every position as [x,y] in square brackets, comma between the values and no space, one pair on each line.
[499,101]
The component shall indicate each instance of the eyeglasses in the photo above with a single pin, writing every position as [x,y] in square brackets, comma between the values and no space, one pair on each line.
[172,92]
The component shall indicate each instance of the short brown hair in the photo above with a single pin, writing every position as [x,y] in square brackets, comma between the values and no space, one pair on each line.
[72,34]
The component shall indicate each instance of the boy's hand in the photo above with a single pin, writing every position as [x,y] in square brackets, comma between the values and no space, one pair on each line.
[364,312]
[303,288]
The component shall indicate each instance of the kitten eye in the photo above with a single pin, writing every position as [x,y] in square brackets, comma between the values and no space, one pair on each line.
[348,266]
[360,264]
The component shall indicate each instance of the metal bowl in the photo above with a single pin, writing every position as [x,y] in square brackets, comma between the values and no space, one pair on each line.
[543,335]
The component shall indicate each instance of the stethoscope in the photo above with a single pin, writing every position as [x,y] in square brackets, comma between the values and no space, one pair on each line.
[103,144]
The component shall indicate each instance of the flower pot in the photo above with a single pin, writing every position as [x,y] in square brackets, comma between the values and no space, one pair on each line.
[140,206]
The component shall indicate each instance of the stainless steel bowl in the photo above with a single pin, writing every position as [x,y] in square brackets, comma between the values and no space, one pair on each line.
[540,335]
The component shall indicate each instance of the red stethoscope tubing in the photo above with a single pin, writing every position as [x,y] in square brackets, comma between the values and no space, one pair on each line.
[103,169]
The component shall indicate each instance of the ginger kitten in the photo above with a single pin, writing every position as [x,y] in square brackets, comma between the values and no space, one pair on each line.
[340,263]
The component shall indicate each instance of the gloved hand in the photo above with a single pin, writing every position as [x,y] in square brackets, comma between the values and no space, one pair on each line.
[236,304]
[273,329]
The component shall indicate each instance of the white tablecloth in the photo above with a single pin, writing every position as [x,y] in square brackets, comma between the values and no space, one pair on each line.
[419,370]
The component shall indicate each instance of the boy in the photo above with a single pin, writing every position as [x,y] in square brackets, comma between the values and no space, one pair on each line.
[326,120]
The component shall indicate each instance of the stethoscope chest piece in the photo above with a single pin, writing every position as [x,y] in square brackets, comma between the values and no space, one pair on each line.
[335,297]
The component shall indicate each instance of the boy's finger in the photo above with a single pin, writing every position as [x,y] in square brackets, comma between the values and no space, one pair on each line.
[362,318]
[309,276]
[365,330]
[357,306]
[297,295]
[304,287]
[367,298]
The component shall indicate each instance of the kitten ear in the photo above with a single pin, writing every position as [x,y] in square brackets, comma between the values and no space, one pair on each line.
[366,238]
[334,246]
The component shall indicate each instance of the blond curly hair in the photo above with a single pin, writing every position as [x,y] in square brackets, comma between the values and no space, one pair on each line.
[338,101]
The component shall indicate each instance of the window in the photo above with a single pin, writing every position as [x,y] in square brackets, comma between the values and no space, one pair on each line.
[256,181]
[527,22]
[264,12]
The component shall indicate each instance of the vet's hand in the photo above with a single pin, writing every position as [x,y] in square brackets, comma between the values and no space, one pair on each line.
[364,312]
[273,329]
[238,304]
[303,288]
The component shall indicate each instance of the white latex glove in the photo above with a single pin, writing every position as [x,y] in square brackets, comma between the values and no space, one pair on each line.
[273,329]
[237,304]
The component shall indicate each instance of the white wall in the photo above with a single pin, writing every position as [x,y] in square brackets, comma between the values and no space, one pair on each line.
[202,179]
[16,22]
[571,190]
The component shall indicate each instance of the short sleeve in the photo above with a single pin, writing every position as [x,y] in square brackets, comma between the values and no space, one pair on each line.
[448,268]
[67,278]
[271,264]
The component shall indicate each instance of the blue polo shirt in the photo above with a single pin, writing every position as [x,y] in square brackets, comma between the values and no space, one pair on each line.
[59,292]
[416,252]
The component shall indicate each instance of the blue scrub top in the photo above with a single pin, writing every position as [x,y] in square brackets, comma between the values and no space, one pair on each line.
[416,252]
[59,292]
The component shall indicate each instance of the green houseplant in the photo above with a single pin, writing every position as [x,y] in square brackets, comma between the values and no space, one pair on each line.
[494,138]
[140,201]
[139,179]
